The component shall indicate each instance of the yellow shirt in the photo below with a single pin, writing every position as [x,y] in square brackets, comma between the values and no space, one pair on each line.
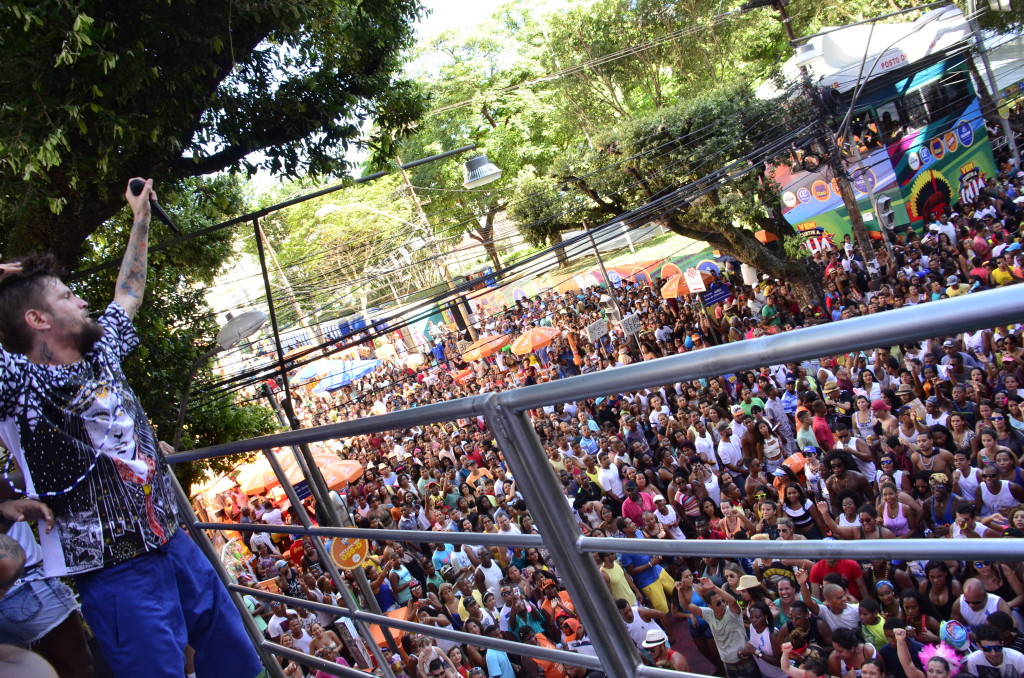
[1001,277]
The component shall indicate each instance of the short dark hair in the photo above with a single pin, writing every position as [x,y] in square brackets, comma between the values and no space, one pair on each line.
[20,292]
[988,632]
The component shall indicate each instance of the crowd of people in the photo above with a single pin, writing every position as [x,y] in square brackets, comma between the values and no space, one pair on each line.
[912,440]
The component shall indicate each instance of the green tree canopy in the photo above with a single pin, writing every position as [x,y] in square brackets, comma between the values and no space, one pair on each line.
[96,91]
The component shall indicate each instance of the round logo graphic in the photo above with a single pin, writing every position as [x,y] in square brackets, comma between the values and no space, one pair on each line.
[864,180]
[937,149]
[926,155]
[820,190]
[964,132]
[789,199]
[803,195]
[913,161]
[949,139]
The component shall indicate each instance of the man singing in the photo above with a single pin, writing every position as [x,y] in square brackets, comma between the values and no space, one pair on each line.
[85,447]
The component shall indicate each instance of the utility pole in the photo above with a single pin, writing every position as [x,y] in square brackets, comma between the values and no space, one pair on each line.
[288,293]
[456,305]
[1011,140]
[835,160]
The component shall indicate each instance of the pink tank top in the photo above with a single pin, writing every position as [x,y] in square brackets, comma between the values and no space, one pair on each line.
[899,525]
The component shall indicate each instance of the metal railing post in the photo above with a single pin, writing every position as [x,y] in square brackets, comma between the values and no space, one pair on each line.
[206,546]
[593,601]
[328,563]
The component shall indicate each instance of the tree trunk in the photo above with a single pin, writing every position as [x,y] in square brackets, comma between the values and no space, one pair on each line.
[487,231]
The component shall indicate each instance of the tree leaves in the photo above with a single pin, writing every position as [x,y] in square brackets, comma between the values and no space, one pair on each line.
[96,92]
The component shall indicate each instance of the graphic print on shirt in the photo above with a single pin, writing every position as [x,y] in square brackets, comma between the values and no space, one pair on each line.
[87,449]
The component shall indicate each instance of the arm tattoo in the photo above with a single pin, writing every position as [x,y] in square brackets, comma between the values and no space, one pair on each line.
[131,281]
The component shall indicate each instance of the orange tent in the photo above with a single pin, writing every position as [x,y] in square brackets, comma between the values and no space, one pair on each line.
[485,346]
[676,285]
[533,339]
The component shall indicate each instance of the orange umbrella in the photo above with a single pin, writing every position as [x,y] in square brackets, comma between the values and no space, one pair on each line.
[337,473]
[462,376]
[257,477]
[533,339]
[485,346]
[676,285]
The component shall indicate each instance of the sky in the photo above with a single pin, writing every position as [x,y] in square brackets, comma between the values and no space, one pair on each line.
[454,14]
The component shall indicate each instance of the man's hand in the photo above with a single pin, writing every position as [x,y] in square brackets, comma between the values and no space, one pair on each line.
[141,208]
[18,510]
[9,268]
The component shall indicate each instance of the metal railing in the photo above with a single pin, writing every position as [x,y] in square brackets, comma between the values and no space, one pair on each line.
[506,415]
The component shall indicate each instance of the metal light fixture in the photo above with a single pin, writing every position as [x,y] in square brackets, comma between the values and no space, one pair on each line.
[480,171]
[236,329]
[240,327]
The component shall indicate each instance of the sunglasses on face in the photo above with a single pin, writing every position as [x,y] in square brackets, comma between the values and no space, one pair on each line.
[997,418]
[982,563]
[988,476]
[991,648]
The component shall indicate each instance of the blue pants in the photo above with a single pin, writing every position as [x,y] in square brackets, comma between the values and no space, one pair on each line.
[146,609]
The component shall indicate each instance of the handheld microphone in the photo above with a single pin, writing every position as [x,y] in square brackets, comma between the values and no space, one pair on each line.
[136,186]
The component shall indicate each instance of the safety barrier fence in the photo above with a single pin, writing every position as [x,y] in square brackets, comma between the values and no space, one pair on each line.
[507,417]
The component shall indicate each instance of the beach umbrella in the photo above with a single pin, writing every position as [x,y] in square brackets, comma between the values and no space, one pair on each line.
[344,372]
[257,477]
[534,339]
[676,285]
[485,346]
[337,473]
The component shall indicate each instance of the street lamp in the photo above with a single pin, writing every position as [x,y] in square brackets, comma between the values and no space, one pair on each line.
[480,171]
[234,331]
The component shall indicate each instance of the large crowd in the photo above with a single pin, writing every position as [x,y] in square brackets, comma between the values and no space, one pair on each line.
[912,440]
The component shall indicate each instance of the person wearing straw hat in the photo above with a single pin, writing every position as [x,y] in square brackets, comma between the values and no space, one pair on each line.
[662,655]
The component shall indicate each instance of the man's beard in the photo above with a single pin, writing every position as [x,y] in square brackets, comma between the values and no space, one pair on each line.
[90,333]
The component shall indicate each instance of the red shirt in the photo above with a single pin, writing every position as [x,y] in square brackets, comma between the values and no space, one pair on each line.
[823,433]
[848,568]
[634,511]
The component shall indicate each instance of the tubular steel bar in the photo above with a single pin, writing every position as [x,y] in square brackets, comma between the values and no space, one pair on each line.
[811,549]
[326,560]
[982,310]
[510,646]
[314,661]
[590,596]
[419,536]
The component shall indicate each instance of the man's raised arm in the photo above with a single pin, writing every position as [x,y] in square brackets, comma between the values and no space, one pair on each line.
[131,280]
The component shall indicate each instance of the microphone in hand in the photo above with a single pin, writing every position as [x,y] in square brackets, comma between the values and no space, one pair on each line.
[136,186]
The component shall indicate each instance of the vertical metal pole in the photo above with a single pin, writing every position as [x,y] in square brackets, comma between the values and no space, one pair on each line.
[525,455]
[328,563]
[305,458]
[1011,140]
[203,542]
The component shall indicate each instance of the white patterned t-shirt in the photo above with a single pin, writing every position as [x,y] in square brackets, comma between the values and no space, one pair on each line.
[85,446]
